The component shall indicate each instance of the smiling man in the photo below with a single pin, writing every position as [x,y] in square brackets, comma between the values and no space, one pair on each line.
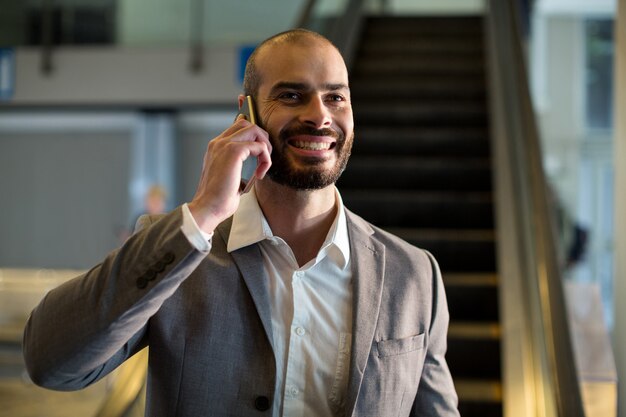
[277,302]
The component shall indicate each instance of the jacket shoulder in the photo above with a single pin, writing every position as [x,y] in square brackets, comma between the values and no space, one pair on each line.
[388,239]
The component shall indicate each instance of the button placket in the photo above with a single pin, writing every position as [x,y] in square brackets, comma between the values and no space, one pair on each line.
[295,370]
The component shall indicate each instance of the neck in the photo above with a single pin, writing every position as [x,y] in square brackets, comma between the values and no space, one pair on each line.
[300,218]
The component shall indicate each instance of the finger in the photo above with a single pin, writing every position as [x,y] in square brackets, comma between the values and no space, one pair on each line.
[240,123]
[250,133]
[264,160]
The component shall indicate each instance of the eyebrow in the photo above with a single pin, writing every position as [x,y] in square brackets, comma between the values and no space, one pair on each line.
[282,85]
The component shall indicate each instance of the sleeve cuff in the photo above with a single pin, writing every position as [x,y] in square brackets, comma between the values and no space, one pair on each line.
[196,236]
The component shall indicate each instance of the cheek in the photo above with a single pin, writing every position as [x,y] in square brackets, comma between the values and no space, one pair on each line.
[272,120]
[345,118]
[346,124]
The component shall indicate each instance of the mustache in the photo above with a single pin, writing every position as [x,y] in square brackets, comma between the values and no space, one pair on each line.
[310,131]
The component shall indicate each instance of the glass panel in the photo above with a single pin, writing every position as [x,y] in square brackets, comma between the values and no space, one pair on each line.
[599,73]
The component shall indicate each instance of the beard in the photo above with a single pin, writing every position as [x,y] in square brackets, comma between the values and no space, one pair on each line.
[313,175]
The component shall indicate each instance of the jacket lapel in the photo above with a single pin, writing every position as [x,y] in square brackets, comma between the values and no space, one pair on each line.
[368,265]
[249,261]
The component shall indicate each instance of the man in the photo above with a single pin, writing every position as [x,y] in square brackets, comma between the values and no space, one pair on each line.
[275,302]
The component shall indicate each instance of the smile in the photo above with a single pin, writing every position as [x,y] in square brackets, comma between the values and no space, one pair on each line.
[312,146]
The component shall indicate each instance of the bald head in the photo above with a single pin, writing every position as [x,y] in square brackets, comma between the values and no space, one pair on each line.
[301,37]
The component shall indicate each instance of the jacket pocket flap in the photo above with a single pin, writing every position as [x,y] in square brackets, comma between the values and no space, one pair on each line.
[395,347]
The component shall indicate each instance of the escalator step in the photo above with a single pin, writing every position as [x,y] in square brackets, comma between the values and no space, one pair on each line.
[425,25]
[463,306]
[382,141]
[456,250]
[398,209]
[474,358]
[411,113]
[418,174]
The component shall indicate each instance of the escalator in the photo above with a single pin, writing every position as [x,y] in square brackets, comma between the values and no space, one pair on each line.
[421,169]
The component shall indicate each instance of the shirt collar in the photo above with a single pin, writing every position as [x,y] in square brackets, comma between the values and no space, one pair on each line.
[250,226]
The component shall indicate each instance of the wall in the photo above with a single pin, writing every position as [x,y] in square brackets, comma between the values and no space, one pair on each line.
[126,76]
[62,182]
[73,183]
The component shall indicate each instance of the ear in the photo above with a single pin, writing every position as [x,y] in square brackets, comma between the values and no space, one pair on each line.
[241,98]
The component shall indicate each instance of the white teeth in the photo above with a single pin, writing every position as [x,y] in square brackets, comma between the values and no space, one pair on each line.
[312,146]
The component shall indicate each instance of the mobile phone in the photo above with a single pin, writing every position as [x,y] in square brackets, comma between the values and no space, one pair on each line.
[250,164]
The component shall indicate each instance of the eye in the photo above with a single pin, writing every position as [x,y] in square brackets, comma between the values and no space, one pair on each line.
[335,99]
[289,96]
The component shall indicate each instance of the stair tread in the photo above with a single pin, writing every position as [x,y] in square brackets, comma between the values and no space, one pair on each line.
[415,79]
[458,235]
[418,174]
[477,390]
[421,45]
[427,140]
[474,330]
[412,88]
[420,161]
[470,279]
[416,195]
[409,107]
[410,133]
[426,61]
[426,24]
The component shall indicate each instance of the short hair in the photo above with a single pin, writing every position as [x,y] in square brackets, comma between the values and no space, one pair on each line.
[156,191]
[252,77]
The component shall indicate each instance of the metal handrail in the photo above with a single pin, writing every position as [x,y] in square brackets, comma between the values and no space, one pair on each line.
[128,385]
[345,31]
[306,13]
[541,352]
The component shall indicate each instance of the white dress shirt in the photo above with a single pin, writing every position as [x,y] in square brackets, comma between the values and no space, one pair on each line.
[311,310]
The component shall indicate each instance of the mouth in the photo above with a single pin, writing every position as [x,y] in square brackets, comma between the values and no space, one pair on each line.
[312,143]
[312,146]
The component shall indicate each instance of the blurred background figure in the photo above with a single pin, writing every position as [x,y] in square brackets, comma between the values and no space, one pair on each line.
[155,200]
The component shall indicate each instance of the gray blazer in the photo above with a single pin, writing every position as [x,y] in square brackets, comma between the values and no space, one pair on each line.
[206,318]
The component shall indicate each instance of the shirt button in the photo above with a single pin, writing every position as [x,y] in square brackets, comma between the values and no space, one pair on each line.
[300,331]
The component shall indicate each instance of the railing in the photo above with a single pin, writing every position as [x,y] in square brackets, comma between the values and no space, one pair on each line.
[344,30]
[347,30]
[538,361]
[128,389]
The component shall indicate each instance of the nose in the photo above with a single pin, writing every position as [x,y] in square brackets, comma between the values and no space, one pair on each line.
[316,113]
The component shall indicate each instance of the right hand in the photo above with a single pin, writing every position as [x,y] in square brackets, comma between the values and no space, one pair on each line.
[218,193]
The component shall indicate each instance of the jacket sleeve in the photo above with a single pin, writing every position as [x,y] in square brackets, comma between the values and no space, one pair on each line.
[436,396]
[85,328]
